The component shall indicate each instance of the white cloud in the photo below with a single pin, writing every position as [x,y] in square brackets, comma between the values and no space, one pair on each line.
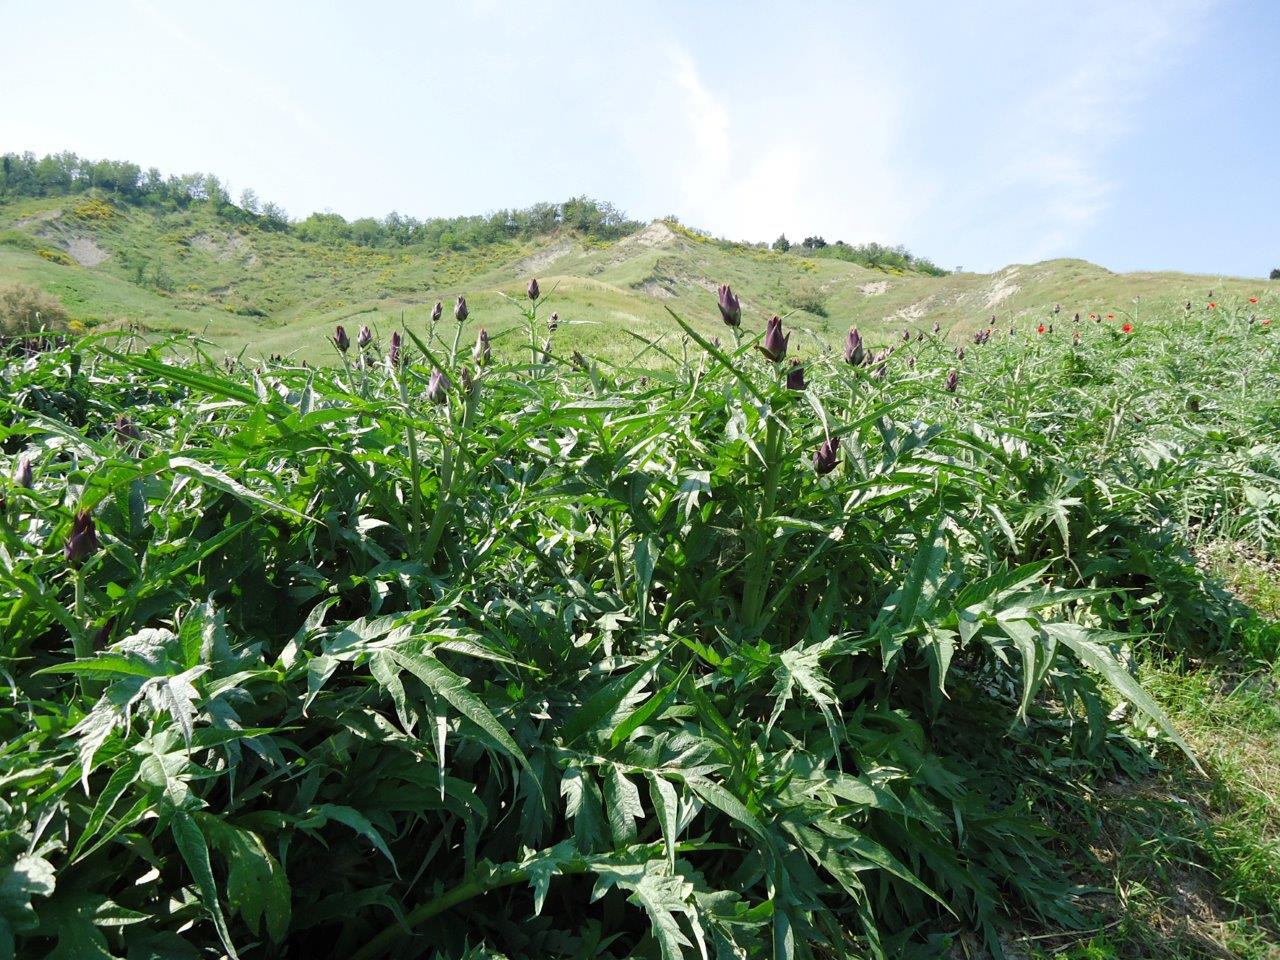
[815,160]
[1051,154]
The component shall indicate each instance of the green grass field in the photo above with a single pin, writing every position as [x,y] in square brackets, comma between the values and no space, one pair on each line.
[966,649]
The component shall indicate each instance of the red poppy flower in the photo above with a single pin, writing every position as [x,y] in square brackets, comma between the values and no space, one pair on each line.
[1093,316]
[1253,299]
[1212,305]
[1127,328]
[1266,322]
[1040,329]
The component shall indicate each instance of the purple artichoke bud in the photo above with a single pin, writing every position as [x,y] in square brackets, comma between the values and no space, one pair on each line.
[553,322]
[953,378]
[341,340]
[393,355]
[911,363]
[906,336]
[438,387]
[826,456]
[715,342]
[774,345]
[1013,331]
[1057,309]
[460,309]
[364,337]
[1076,318]
[464,377]
[126,431]
[103,635]
[795,376]
[959,353]
[534,292]
[854,353]
[437,312]
[730,306]
[937,328]
[579,361]
[481,353]
[23,475]
[82,542]
[879,373]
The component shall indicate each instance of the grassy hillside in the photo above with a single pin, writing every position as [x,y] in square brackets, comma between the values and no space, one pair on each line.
[242,286]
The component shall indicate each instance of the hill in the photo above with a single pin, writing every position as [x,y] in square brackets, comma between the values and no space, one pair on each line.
[241,283]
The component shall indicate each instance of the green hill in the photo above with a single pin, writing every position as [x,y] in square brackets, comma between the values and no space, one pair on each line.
[241,284]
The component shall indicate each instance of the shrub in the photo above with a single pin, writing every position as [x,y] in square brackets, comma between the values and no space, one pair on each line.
[93,208]
[55,256]
[1275,274]
[26,309]
[808,296]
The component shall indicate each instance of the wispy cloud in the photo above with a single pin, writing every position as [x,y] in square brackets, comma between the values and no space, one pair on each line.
[753,167]
[1051,154]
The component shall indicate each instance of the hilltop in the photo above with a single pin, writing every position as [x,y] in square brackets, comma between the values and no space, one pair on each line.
[255,282]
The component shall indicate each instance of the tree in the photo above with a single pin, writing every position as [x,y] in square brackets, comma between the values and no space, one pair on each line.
[813,243]
[782,244]
[275,216]
[248,201]
[1275,274]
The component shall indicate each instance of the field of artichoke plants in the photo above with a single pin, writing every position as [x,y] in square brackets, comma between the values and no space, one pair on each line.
[447,652]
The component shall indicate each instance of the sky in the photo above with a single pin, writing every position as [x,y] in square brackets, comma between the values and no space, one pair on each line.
[1139,135]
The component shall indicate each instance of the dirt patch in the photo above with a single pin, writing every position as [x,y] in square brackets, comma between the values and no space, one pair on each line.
[875,288]
[654,235]
[225,247]
[913,311]
[1003,288]
[655,289]
[536,263]
[43,217]
[85,251]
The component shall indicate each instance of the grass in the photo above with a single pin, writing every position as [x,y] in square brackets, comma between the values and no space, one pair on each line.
[264,292]
[1188,866]
[591,657]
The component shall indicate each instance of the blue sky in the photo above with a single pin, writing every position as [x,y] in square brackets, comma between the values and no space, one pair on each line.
[1135,134]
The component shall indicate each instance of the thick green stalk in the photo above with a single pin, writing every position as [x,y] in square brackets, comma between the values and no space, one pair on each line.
[82,639]
[453,351]
[758,566]
[619,577]
[532,316]
[415,468]
[444,498]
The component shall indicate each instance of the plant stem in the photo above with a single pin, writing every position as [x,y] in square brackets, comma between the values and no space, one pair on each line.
[757,573]
[619,578]
[82,640]
[415,468]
